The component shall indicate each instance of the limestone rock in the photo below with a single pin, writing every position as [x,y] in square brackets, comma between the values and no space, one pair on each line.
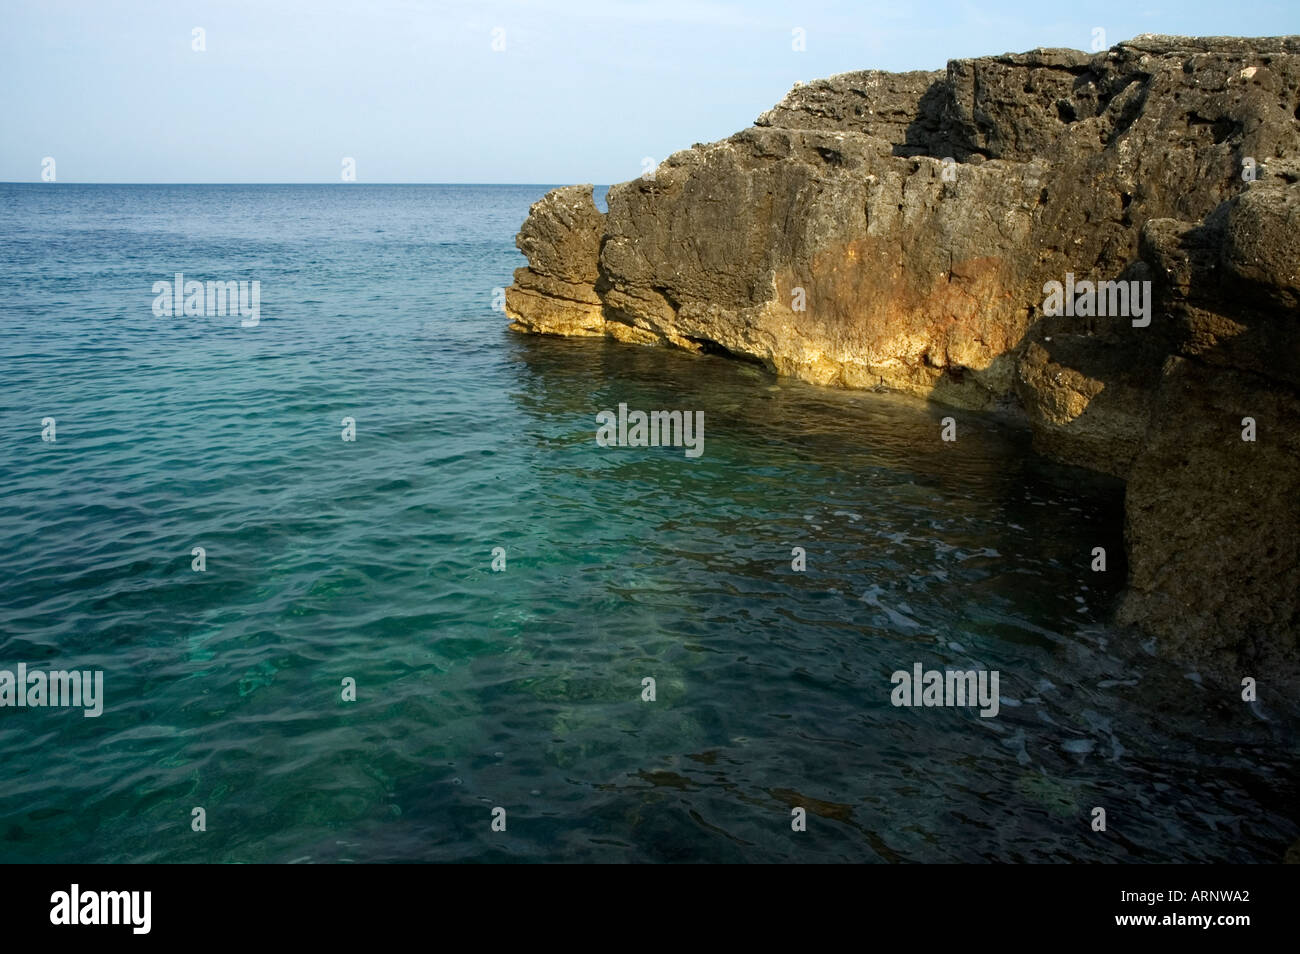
[902,230]
[1212,524]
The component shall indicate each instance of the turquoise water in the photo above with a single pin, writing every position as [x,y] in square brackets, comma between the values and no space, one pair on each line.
[372,560]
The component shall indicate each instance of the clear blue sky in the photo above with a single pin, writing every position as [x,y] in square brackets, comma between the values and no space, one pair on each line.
[413,90]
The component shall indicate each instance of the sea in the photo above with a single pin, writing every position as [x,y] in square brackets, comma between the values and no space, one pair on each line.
[363,585]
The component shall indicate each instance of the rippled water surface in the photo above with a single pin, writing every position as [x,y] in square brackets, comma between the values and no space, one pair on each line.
[372,560]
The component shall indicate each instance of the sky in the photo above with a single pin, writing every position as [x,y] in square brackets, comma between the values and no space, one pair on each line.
[527,91]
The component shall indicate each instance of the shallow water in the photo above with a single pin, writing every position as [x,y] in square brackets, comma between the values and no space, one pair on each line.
[371,560]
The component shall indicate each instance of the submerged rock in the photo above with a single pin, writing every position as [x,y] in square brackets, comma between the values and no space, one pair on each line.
[904,231]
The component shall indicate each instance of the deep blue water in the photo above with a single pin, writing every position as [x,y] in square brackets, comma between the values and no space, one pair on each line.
[371,560]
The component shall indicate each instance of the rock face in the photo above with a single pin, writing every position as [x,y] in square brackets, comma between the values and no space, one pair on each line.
[903,229]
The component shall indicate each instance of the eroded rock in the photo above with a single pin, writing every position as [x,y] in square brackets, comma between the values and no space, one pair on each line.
[899,230]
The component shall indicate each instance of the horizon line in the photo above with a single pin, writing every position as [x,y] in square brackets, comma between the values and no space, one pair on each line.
[38,183]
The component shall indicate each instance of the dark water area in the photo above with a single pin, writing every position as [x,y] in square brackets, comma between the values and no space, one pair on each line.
[522,688]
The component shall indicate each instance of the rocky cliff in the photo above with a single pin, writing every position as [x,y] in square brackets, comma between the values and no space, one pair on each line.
[906,230]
